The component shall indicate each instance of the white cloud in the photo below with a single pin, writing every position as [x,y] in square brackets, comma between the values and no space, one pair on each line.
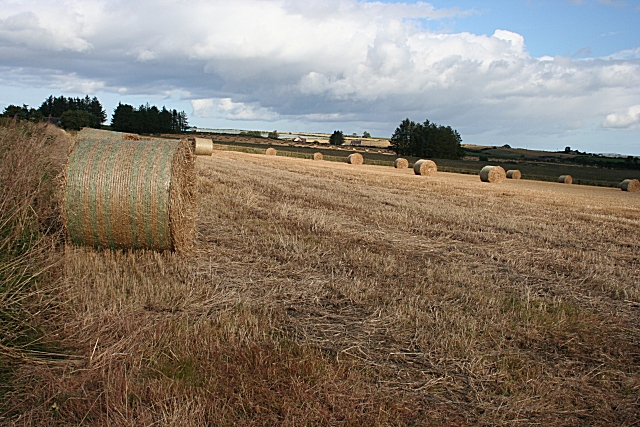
[314,61]
[227,109]
[629,119]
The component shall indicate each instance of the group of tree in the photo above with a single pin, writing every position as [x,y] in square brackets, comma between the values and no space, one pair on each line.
[426,140]
[74,113]
[337,138]
[148,119]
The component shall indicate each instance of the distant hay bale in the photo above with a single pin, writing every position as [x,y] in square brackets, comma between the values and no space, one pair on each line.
[203,147]
[130,137]
[129,194]
[271,151]
[317,156]
[493,174]
[514,174]
[631,185]
[425,167]
[565,179]
[355,159]
[401,163]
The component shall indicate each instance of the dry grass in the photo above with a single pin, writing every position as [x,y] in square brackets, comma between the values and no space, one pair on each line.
[317,297]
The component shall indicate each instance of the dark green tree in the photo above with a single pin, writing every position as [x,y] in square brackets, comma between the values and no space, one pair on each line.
[22,113]
[77,119]
[337,138]
[273,135]
[426,140]
[366,134]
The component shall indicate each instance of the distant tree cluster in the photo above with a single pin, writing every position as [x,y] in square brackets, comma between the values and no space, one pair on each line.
[148,119]
[426,140]
[252,133]
[74,113]
[337,138]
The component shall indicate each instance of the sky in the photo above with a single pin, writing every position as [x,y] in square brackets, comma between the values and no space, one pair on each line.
[537,74]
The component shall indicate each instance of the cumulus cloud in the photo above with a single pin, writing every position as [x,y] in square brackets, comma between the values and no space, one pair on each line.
[629,119]
[316,61]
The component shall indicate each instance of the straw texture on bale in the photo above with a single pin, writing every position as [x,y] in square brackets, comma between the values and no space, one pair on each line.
[355,159]
[131,137]
[514,174]
[632,185]
[203,147]
[493,174]
[425,167]
[129,194]
[401,163]
[271,151]
[565,179]
[317,156]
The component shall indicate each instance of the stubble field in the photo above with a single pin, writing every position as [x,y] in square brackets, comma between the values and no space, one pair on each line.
[322,293]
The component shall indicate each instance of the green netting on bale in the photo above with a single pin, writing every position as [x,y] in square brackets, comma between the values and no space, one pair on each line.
[118,193]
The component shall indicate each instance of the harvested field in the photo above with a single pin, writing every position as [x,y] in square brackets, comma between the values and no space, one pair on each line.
[323,294]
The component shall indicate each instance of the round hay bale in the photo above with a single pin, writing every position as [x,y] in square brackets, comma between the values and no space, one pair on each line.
[401,163]
[271,151]
[493,174]
[631,185]
[203,147]
[317,156]
[514,174]
[130,137]
[130,194]
[425,167]
[565,179]
[355,159]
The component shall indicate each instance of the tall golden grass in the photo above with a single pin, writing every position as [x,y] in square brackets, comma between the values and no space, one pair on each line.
[316,298]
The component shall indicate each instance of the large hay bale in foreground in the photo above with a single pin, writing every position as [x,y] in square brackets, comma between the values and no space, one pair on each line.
[203,147]
[514,174]
[425,167]
[129,194]
[632,185]
[401,163]
[355,159]
[271,151]
[493,174]
[317,156]
[565,179]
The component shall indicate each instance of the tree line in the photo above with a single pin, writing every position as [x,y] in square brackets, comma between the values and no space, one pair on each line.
[427,140]
[148,119]
[76,113]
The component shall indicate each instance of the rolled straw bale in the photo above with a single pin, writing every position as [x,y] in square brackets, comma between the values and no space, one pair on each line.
[129,194]
[632,185]
[565,179]
[130,137]
[425,167]
[203,147]
[355,159]
[514,174]
[493,174]
[401,163]
[271,151]
[317,156]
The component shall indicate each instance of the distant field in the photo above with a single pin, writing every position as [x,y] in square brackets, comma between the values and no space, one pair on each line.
[582,175]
